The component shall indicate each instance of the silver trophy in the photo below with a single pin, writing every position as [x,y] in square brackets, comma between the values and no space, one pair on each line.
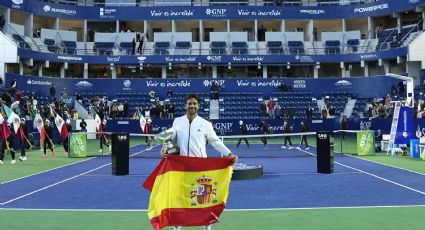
[166,138]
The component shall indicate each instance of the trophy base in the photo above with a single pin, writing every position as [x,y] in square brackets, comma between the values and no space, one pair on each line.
[173,151]
[242,171]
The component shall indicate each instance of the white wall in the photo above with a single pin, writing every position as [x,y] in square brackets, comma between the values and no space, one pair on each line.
[8,53]
[284,37]
[105,37]
[57,35]
[229,37]
[417,50]
[16,28]
[340,36]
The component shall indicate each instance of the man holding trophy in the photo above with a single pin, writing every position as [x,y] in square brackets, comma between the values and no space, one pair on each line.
[189,136]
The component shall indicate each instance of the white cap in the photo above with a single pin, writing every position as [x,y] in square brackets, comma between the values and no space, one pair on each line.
[104,121]
[68,121]
[240,122]
[148,120]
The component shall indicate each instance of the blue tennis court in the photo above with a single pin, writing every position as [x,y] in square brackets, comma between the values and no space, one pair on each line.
[290,181]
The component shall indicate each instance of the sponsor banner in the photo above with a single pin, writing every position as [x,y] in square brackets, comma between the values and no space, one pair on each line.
[213,59]
[361,87]
[405,130]
[414,148]
[365,143]
[78,145]
[43,8]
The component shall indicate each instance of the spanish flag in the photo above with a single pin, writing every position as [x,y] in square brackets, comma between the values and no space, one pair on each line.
[188,191]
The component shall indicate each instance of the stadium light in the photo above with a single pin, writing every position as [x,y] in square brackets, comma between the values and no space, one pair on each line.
[229,65]
[141,66]
[170,66]
[111,66]
[259,65]
[199,65]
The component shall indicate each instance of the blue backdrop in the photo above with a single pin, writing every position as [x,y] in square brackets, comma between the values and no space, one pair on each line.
[212,12]
[213,59]
[362,87]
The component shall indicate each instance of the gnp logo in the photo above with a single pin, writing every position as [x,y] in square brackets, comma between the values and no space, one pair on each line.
[122,137]
[343,83]
[208,83]
[38,82]
[216,12]
[371,8]
[413,1]
[214,58]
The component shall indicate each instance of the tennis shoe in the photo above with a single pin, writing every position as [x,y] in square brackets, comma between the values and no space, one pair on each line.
[266,147]
[299,148]
[1,162]
[283,147]
[307,148]
[20,158]
[24,158]
[13,162]
[100,150]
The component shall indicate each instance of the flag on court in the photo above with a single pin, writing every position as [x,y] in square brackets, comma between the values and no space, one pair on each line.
[142,122]
[60,124]
[4,129]
[188,191]
[98,123]
[12,118]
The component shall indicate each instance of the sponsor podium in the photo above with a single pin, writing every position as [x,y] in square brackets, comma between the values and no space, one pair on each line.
[325,152]
[120,153]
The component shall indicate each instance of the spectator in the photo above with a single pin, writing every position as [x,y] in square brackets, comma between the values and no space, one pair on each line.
[270,108]
[169,93]
[125,105]
[52,91]
[133,45]
[83,125]
[91,36]
[324,113]
[263,109]
[2,22]
[331,112]
[309,112]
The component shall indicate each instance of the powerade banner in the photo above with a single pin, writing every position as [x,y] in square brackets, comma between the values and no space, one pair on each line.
[365,143]
[405,130]
[211,12]
[78,145]
[414,148]
[361,87]
[213,59]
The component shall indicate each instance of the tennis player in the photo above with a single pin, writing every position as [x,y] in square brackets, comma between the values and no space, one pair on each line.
[191,133]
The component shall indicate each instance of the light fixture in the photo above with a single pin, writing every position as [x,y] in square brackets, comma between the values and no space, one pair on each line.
[170,66]
[199,65]
[229,65]
[259,65]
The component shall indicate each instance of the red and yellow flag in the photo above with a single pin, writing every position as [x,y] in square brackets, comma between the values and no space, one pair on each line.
[188,191]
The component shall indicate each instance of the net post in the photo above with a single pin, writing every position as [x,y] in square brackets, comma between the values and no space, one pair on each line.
[325,152]
[120,153]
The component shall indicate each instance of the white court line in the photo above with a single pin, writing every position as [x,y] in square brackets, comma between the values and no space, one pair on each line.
[374,175]
[63,181]
[91,158]
[295,174]
[392,166]
[46,171]
[226,210]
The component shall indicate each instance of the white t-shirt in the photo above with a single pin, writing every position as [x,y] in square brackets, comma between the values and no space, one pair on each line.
[192,137]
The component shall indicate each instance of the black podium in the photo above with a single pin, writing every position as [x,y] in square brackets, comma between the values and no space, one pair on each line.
[325,152]
[120,153]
